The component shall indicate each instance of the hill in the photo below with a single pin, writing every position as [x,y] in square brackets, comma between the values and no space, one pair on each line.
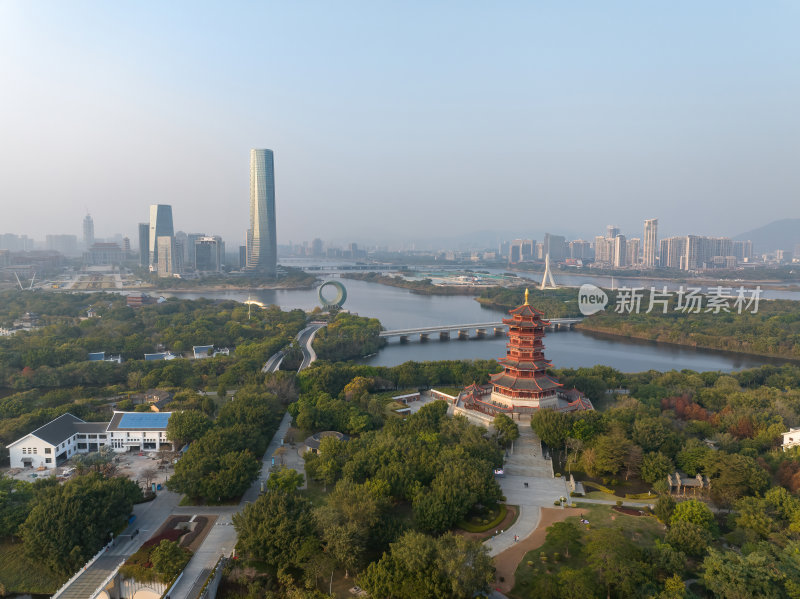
[781,234]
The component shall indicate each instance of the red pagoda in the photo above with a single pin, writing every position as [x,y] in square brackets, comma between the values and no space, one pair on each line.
[523,386]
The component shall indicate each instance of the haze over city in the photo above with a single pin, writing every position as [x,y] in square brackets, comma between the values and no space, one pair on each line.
[394,123]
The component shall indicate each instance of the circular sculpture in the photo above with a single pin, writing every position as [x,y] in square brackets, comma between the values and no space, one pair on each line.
[341,295]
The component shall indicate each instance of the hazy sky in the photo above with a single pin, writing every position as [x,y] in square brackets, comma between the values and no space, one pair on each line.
[404,120]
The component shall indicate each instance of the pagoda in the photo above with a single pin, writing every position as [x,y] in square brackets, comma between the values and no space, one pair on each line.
[524,385]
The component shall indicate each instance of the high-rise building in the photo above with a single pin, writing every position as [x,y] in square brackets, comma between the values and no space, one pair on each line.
[316,247]
[555,247]
[650,241]
[672,252]
[166,265]
[620,251]
[160,226]
[191,240]
[126,246]
[580,249]
[262,248]
[633,251]
[144,245]
[208,252]
[88,231]
[603,250]
[612,231]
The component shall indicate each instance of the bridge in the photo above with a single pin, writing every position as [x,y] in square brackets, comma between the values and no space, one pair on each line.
[462,331]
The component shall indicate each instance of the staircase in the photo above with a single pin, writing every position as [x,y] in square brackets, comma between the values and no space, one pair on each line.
[526,457]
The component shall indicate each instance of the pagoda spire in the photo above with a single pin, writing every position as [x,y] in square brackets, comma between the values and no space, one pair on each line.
[526,297]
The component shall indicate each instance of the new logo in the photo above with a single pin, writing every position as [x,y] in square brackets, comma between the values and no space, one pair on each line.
[591,299]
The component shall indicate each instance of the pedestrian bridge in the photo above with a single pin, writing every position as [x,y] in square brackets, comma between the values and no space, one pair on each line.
[462,331]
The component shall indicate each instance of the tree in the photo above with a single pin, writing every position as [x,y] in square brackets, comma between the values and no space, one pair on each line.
[15,503]
[551,427]
[606,456]
[285,479]
[348,521]
[169,559]
[564,535]
[656,466]
[696,512]
[70,522]
[506,430]
[275,527]
[421,567]
[577,584]
[664,507]
[688,537]
[734,475]
[187,426]
[729,575]
[616,560]
[633,461]
[649,433]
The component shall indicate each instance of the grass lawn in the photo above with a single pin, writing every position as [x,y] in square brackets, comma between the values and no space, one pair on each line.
[20,575]
[480,522]
[643,530]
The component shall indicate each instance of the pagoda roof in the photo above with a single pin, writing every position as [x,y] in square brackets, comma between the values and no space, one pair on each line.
[539,383]
[526,310]
[525,364]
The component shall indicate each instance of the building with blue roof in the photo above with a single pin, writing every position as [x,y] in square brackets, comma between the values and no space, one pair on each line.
[50,445]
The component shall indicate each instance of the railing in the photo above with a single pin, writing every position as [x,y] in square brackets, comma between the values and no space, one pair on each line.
[81,571]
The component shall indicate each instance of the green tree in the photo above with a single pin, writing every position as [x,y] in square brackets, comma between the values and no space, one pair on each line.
[688,537]
[696,512]
[187,425]
[421,567]
[656,466]
[506,430]
[169,559]
[285,479]
[70,522]
[275,528]
[729,575]
[551,427]
[616,560]
[664,507]
[564,535]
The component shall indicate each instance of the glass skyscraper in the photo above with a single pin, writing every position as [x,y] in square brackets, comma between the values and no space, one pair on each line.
[262,247]
[160,226]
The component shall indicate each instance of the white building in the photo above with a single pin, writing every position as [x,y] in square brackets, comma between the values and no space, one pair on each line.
[791,438]
[58,440]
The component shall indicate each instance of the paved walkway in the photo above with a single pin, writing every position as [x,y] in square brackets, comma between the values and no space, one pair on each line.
[526,464]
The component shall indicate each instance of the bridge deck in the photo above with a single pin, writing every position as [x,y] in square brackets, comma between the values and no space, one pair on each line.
[456,327]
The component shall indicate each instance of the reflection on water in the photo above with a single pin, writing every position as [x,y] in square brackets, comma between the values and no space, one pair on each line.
[399,309]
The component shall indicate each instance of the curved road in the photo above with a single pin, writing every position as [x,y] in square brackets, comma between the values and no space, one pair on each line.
[304,338]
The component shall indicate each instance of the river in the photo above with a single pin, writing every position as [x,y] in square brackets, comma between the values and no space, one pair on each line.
[400,309]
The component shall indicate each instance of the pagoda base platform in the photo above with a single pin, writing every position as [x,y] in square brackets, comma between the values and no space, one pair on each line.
[519,405]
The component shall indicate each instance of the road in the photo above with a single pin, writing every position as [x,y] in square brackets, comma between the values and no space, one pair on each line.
[304,339]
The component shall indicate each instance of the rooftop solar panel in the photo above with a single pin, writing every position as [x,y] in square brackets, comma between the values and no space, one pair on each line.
[137,420]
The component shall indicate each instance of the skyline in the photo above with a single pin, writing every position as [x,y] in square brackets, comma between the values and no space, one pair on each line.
[388,121]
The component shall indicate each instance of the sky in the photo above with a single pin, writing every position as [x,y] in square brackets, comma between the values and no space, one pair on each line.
[401,122]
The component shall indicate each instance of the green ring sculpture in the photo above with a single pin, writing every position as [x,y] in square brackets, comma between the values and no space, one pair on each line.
[341,295]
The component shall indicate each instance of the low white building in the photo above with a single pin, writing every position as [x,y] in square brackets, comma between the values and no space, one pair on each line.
[791,438]
[60,439]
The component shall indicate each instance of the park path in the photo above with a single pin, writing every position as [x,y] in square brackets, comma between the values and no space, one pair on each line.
[528,483]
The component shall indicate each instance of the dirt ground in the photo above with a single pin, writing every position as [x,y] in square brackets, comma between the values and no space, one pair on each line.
[507,562]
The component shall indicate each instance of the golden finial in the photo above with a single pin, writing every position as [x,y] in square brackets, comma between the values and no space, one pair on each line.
[526,296]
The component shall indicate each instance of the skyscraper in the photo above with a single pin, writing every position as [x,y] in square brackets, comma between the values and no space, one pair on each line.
[88,230]
[160,226]
[650,242]
[144,245]
[262,248]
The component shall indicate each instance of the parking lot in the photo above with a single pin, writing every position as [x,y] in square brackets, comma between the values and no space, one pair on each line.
[149,467]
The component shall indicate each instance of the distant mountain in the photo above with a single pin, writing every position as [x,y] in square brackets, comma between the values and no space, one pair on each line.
[782,234]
